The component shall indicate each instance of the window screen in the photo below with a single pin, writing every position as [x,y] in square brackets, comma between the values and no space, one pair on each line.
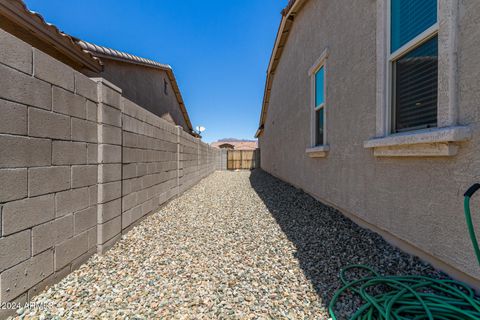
[415,88]
[409,19]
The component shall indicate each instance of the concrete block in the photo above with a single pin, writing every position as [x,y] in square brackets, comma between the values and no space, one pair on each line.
[68,103]
[129,201]
[85,219]
[93,194]
[85,87]
[25,275]
[5,313]
[109,191]
[110,97]
[109,115]
[70,249]
[92,238]
[23,214]
[91,111]
[108,230]
[141,169]
[51,233]
[48,180]
[83,130]
[129,171]
[130,139]
[109,210]
[13,184]
[79,261]
[131,185]
[103,247]
[109,172]
[83,176]
[15,53]
[92,153]
[109,134]
[71,201]
[66,152]
[46,124]
[108,153]
[131,155]
[142,196]
[47,68]
[14,117]
[22,88]
[14,249]
[147,207]
[48,281]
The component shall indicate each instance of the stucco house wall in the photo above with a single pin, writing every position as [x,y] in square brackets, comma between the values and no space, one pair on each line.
[145,86]
[414,202]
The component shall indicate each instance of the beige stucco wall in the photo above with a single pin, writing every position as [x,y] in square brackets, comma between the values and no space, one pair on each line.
[416,202]
[145,86]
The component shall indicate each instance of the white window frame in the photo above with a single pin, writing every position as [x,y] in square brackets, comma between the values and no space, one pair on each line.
[318,151]
[438,141]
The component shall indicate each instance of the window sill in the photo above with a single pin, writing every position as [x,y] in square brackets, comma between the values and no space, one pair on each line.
[438,142]
[318,151]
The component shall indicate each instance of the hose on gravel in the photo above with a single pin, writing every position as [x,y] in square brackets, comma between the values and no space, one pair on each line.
[412,297]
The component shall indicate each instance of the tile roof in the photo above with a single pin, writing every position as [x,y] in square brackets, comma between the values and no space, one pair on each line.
[112,53]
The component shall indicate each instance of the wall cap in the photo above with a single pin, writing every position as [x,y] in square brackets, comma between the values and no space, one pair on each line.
[107,83]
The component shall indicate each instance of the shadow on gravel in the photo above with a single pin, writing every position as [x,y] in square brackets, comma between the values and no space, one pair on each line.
[326,241]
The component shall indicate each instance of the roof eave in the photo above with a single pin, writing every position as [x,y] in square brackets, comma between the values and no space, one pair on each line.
[288,15]
[18,13]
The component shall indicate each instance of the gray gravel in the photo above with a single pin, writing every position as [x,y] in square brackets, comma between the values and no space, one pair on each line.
[238,245]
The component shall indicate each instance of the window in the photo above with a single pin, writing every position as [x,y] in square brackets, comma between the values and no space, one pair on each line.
[318,147]
[413,63]
[319,106]
[417,80]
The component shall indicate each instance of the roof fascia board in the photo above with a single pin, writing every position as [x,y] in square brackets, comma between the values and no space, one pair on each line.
[282,35]
[12,11]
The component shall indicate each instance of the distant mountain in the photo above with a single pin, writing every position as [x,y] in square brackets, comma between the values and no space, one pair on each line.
[235,140]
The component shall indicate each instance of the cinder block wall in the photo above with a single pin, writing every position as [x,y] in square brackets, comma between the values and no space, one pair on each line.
[79,165]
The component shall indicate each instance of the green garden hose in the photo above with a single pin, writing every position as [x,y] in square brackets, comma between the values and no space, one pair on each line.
[412,297]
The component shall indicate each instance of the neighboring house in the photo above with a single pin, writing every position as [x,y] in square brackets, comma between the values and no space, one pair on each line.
[236,145]
[145,82]
[373,107]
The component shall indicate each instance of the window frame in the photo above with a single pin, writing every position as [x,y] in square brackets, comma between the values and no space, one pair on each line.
[414,43]
[320,63]
[442,140]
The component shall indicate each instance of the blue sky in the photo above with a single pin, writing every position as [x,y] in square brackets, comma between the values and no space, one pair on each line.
[219,49]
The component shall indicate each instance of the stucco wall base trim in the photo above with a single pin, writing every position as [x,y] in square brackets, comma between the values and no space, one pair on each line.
[400,244]
[423,143]
[318,152]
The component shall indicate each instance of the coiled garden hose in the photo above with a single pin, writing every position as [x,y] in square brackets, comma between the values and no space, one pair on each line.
[412,297]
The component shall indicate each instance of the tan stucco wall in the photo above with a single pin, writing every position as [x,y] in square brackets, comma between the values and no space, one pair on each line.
[417,201]
[145,87]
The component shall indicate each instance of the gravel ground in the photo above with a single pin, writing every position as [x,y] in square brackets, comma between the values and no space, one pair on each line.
[239,245]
